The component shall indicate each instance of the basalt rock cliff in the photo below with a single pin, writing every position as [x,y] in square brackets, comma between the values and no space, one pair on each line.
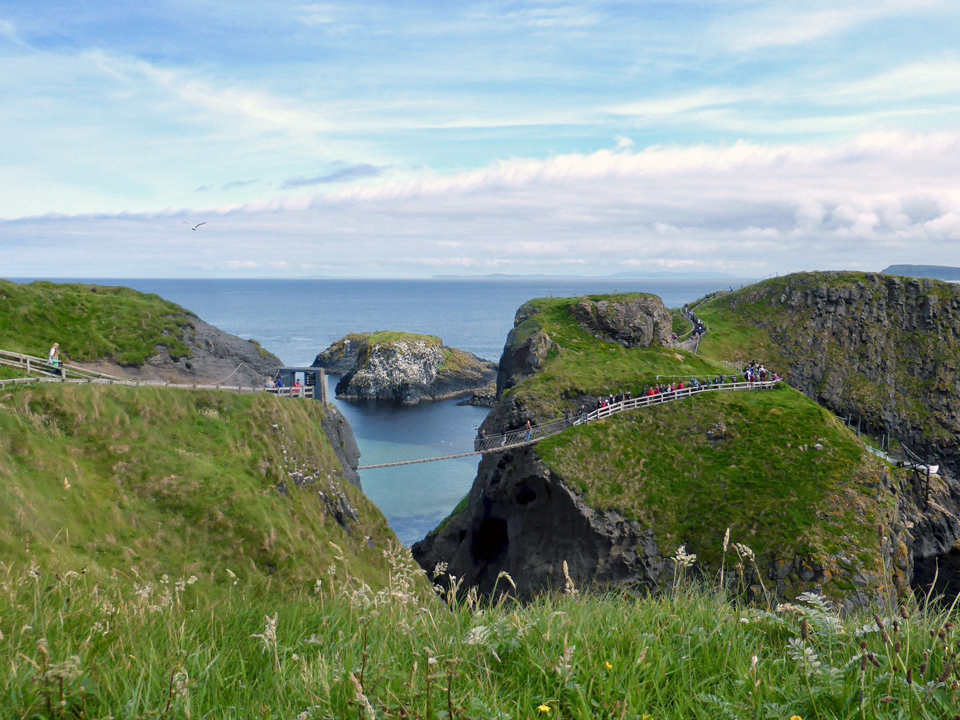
[883,351]
[407,368]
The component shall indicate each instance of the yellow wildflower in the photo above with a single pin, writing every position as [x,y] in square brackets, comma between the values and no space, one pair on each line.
[545,709]
[608,666]
[795,717]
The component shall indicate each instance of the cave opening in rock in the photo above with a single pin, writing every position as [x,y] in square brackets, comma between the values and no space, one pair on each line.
[939,572]
[490,540]
[525,495]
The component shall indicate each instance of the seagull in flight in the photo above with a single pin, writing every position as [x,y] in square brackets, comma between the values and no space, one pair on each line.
[194,227]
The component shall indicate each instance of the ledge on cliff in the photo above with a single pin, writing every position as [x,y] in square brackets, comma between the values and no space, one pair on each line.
[563,351]
[403,367]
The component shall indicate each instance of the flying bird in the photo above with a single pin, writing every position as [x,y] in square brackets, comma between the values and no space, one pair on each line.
[194,227]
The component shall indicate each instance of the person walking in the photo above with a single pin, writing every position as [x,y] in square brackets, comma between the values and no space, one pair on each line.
[529,431]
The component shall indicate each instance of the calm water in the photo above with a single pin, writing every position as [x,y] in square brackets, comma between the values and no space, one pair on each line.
[296,319]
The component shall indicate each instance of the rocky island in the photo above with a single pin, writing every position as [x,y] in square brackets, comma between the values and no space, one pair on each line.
[403,367]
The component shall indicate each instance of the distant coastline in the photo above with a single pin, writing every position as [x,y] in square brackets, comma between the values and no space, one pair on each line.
[936,272]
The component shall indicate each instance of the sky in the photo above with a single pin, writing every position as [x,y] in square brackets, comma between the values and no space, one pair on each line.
[413,139]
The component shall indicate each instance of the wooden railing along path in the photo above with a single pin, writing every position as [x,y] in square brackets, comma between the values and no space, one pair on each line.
[45,372]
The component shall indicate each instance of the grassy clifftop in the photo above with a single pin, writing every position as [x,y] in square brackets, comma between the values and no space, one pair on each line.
[577,363]
[90,322]
[178,482]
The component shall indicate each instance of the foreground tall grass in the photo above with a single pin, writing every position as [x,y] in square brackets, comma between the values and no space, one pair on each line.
[77,646]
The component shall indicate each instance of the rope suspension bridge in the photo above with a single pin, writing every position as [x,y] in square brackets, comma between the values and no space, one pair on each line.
[513,439]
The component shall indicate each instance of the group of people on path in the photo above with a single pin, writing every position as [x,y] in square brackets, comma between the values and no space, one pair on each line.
[274,384]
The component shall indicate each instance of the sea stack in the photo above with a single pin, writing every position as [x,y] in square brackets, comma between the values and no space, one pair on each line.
[403,367]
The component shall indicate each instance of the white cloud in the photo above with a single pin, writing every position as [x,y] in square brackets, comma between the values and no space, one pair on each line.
[745,207]
[784,25]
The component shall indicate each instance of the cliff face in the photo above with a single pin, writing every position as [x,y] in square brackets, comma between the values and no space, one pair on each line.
[341,355]
[878,349]
[404,368]
[615,500]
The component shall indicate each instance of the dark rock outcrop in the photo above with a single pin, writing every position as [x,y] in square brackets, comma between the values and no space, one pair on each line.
[215,356]
[344,444]
[637,322]
[341,355]
[525,521]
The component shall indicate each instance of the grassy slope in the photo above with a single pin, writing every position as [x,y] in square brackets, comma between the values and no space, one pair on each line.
[89,322]
[174,482]
[584,365]
[660,466]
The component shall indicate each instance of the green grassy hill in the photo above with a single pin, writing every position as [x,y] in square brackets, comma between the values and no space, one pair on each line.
[579,364]
[90,322]
[162,481]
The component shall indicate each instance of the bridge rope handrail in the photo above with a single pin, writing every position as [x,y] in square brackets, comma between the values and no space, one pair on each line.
[518,438]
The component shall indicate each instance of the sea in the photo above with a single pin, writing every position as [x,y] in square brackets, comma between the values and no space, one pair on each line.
[296,319]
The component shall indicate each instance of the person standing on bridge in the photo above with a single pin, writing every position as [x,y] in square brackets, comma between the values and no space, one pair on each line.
[529,431]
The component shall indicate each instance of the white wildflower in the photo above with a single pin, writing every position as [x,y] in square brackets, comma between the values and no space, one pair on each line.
[569,587]
[180,680]
[744,552]
[506,576]
[269,634]
[683,558]
[317,586]
[564,666]
[361,698]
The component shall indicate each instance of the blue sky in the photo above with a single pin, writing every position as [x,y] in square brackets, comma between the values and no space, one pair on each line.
[407,139]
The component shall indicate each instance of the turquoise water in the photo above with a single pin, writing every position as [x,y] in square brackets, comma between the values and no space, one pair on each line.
[296,319]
